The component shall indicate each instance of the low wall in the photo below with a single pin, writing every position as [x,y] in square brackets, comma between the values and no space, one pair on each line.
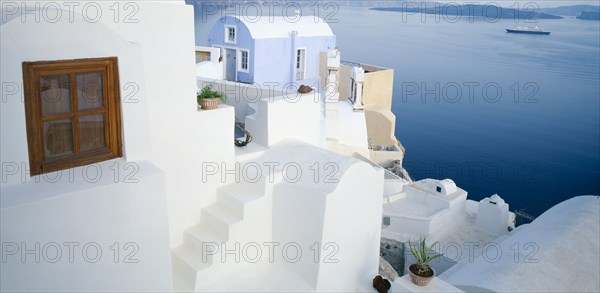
[210,70]
[294,116]
[241,96]
[91,228]
[381,123]
[413,226]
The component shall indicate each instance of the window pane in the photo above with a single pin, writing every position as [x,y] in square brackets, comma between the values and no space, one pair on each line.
[58,138]
[56,97]
[89,90]
[244,60]
[91,132]
[231,34]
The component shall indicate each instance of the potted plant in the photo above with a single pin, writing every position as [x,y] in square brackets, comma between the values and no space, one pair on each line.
[209,99]
[421,273]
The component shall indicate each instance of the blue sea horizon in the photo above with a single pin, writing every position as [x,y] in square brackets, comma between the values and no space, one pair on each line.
[516,115]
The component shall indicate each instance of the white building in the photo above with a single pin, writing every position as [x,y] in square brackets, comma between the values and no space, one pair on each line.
[272,49]
[113,186]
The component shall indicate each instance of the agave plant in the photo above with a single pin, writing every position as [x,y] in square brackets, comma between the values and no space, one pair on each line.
[423,256]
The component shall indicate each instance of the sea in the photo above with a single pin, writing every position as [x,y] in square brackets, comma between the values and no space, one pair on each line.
[498,113]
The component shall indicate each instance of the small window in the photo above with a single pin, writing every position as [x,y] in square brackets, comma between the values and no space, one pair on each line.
[386,221]
[300,63]
[230,34]
[73,113]
[243,65]
[438,189]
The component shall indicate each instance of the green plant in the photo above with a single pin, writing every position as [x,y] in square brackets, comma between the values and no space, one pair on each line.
[423,256]
[207,92]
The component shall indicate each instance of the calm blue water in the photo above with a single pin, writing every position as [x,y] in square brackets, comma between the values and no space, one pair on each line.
[535,144]
[517,115]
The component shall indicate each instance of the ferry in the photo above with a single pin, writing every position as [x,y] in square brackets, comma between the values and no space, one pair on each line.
[528,30]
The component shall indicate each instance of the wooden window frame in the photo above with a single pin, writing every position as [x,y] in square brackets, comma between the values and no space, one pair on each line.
[111,109]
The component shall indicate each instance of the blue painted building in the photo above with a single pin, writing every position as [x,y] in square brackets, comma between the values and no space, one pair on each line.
[272,49]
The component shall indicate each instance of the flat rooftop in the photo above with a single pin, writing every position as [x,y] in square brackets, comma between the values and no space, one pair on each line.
[409,207]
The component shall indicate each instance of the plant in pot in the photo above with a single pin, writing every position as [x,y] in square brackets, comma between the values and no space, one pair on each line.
[421,273]
[209,99]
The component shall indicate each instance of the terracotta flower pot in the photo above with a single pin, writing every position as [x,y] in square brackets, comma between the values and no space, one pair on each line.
[418,280]
[209,104]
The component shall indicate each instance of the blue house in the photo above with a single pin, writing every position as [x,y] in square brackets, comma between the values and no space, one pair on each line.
[272,49]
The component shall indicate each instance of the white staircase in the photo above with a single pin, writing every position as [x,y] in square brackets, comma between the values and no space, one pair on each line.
[229,224]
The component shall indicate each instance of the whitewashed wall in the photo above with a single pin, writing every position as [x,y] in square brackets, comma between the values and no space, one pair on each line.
[154,41]
[338,208]
[84,236]
[210,69]
[291,115]
[357,237]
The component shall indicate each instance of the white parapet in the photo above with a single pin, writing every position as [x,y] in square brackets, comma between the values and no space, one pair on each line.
[63,231]
[358,78]
[210,70]
[213,68]
[291,115]
[333,59]
[333,67]
[404,284]
[428,206]
[358,74]
[493,216]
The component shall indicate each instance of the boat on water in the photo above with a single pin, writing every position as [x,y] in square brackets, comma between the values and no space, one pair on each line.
[528,30]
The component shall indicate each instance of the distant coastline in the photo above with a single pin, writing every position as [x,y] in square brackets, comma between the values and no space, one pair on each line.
[469,10]
[571,10]
[589,15]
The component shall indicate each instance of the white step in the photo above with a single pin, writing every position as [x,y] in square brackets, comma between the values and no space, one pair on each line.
[219,219]
[191,267]
[201,237]
[237,196]
[186,264]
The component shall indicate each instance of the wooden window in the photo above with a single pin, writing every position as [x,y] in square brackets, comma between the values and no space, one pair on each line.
[73,113]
